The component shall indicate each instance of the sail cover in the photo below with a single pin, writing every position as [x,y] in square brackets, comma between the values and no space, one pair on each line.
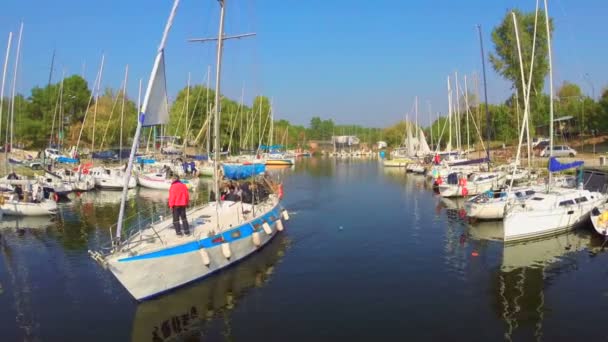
[156,106]
[410,142]
[236,172]
[556,166]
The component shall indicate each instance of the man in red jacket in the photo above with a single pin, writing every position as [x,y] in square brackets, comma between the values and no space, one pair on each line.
[178,201]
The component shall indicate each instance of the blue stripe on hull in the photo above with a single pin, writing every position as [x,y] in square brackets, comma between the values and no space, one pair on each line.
[158,294]
[240,232]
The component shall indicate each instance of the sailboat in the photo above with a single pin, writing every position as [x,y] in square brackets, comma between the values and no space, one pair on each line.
[153,260]
[556,209]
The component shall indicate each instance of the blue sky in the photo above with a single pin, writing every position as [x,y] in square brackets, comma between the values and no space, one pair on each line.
[354,61]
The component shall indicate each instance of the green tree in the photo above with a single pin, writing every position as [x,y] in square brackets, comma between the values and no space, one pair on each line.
[505,59]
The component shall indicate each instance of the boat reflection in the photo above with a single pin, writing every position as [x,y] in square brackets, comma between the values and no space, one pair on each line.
[27,222]
[183,315]
[527,269]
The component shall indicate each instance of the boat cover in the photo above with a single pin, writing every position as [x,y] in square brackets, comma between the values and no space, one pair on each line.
[236,172]
[556,166]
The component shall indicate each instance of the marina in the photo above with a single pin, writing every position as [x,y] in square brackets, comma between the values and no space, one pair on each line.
[188,194]
[413,253]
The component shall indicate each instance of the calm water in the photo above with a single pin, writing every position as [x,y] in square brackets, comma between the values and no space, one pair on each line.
[369,254]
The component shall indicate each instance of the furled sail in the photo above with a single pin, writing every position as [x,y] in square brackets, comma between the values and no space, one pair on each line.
[156,105]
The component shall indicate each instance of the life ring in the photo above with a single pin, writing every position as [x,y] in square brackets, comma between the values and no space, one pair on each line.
[55,197]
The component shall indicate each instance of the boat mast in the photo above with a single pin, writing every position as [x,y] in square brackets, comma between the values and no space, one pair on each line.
[96,102]
[485,94]
[15,86]
[449,144]
[216,114]
[417,136]
[122,110]
[466,103]
[550,91]
[431,121]
[457,123]
[140,123]
[4,69]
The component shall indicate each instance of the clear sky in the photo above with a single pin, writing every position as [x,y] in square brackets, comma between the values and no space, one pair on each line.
[354,61]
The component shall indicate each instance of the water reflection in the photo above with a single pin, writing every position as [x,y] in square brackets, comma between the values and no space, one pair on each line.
[526,271]
[27,222]
[186,314]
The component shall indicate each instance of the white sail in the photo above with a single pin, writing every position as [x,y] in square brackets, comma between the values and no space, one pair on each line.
[156,106]
[424,148]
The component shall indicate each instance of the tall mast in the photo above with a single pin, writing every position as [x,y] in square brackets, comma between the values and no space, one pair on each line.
[208,135]
[449,144]
[17,57]
[431,121]
[485,94]
[97,101]
[8,51]
[140,123]
[457,123]
[122,110]
[550,90]
[417,136]
[216,116]
[466,103]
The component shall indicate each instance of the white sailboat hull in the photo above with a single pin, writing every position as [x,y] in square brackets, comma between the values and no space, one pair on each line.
[182,260]
[16,208]
[162,183]
[521,223]
[486,211]
[473,188]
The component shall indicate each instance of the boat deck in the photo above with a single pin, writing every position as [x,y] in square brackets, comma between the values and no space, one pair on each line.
[204,221]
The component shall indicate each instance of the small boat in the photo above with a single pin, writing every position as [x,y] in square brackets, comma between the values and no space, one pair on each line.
[77,180]
[13,206]
[460,185]
[110,178]
[599,219]
[162,181]
[398,162]
[490,205]
[278,159]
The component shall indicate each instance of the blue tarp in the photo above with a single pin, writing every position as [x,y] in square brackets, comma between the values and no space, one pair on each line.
[556,166]
[273,147]
[236,172]
[141,160]
[67,160]
[197,156]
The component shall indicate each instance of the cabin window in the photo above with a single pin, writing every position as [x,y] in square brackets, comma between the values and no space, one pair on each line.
[566,203]
[530,192]
[537,198]
[581,199]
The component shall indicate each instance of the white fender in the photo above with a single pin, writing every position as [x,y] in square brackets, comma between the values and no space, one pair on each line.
[279,225]
[256,239]
[226,250]
[285,215]
[267,228]
[204,256]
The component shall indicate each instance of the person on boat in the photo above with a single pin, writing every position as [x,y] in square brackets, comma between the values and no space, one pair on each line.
[12,175]
[178,202]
